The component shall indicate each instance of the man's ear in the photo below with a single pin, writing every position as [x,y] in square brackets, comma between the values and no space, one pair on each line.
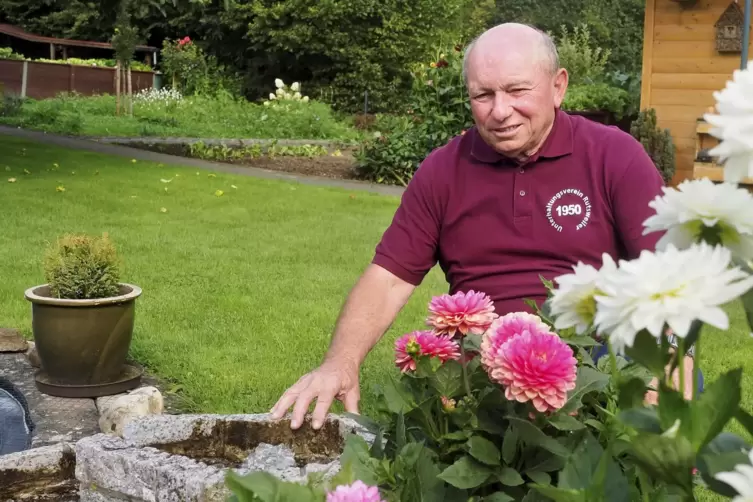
[560,86]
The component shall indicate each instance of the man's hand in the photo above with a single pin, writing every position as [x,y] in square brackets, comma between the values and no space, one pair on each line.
[332,380]
[652,397]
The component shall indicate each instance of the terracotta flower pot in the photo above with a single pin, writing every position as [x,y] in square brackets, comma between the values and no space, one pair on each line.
[83,342]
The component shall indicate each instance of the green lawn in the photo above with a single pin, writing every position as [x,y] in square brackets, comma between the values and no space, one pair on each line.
[240,291]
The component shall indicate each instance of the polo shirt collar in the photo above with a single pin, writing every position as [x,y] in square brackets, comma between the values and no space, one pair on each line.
[557,144]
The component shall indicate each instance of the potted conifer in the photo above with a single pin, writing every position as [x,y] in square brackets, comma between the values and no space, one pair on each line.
[83,317]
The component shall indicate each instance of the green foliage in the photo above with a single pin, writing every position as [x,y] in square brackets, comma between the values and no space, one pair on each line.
[191,71]
[658,143]
[126,36]
[220,116]
[223,152]
[585,62]
[597,97]
[7,53]
[82,267]
[615,25]
[439,111]
[344,49]
[107,63]
[589,88]
[10,104]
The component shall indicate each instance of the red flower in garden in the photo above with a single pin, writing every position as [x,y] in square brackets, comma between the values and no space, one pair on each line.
[423,343]
[185,41]
[442,63]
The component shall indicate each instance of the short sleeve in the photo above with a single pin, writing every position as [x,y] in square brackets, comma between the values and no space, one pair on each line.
[409,246]
[640,183]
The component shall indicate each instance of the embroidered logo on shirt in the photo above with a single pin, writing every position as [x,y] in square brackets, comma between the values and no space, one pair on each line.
[569,208]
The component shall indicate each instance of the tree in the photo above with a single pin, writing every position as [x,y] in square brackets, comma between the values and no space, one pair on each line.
[124,42]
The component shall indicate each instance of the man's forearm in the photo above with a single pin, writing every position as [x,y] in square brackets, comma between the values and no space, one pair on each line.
[369,310]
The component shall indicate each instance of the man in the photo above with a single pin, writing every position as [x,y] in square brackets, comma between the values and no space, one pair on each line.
[528,191]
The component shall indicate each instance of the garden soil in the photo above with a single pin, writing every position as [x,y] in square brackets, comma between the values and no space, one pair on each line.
[324,166]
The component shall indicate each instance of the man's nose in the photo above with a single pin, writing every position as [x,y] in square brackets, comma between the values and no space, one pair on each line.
[502,106]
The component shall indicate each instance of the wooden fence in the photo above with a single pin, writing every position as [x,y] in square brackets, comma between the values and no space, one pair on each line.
[47,80]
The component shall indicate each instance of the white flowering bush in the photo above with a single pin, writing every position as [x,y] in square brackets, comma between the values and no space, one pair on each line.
[285,94]
[653,309]
[158,97]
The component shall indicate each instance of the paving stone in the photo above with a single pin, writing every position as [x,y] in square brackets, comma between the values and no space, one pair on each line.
[11,340]
[56,419]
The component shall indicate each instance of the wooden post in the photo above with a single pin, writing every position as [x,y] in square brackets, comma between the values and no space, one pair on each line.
[130,92]
[24,78]
[52,51]
[117,87]
[648,53]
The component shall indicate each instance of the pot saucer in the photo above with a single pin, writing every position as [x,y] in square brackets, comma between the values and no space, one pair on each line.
[129,379]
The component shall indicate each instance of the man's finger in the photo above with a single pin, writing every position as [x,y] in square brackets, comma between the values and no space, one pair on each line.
[302,406]
[288,398]
[351,400]
[323,404]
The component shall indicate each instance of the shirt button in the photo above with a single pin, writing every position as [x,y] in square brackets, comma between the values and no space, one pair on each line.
[521,170]
[522,193]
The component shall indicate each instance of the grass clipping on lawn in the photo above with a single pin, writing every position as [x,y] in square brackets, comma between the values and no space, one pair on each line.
[82,267]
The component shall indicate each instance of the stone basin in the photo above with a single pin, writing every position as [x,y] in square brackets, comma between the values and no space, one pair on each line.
[39,475]
[186,457]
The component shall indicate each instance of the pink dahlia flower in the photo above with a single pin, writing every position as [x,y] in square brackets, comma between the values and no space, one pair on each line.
[462,312]
[536,367]
[423,343]
[505,328]
[357,492]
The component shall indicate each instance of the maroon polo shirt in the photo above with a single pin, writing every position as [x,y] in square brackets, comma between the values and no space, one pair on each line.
[495,225]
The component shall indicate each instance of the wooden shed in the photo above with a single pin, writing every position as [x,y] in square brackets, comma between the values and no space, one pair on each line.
[690,49]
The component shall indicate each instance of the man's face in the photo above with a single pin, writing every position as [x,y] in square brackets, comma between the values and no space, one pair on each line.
[513,99]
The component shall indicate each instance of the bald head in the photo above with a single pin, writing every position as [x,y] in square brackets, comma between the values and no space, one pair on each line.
[515,86]
[527,41]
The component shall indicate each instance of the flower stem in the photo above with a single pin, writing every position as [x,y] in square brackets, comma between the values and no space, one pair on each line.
[681,364]
[696,370]
[613,362]
[463,363]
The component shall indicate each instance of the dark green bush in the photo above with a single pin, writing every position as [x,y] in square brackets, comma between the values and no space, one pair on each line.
[657,142]
[82,267]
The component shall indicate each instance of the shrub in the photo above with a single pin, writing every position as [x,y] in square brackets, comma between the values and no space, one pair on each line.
[191,71]
[439,110]
[82,267]
[591,87]
[7,53]
[53,115]
[601,96]
[585,62]
[10,104]
[657,142]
